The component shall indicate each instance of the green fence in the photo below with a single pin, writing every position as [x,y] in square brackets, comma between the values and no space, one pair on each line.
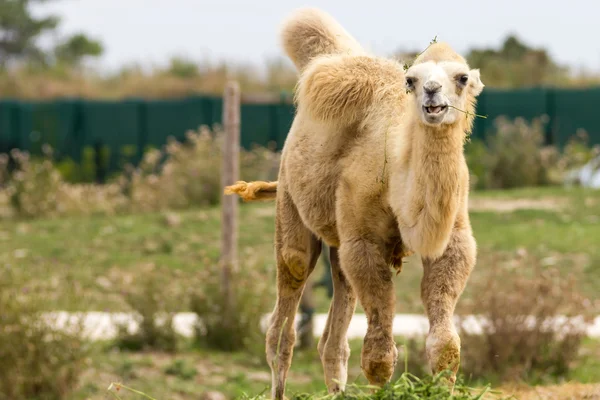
[127,127]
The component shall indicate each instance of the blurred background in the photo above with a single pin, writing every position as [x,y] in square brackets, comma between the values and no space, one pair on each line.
[110,220]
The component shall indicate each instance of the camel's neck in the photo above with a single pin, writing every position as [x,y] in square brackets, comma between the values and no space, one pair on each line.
[425,193]
[435,154]
[435,165]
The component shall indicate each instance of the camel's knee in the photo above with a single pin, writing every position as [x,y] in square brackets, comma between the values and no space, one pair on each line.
[294,269]
[378,359]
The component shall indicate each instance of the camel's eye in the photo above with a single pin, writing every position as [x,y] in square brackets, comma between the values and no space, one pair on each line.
[410,82]
[463,79]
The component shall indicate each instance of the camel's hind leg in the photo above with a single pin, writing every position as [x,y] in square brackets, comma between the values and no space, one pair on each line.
[443,282]
[333,345]
[297,251]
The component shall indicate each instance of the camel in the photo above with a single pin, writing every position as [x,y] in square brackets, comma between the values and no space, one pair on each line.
[373,166]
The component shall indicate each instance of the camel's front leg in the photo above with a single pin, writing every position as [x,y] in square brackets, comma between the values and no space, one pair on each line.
[444,279]
[371,278]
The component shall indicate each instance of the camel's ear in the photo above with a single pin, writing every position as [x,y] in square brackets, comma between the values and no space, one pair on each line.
[475,85]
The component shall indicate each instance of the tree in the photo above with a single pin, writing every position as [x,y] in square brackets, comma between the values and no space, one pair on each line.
[516,64]
[19,31]
[76,48]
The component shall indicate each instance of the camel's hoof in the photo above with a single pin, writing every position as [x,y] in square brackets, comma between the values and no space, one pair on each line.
[443,353]
[379,360]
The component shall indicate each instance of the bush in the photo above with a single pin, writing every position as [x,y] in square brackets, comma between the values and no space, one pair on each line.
[516,156]
[38,362]
[154,302]
[35,188]
[576,154]
[189,173]
[182,175]
[476,154]
[239,327]
[533,323]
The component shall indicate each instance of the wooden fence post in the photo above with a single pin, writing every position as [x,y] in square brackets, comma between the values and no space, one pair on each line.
[229,204]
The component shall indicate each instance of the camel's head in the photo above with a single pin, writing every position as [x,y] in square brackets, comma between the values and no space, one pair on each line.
[443,86]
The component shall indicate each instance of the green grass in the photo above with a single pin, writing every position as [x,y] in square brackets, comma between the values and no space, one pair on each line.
[566,237]
[83,263]
[189,373]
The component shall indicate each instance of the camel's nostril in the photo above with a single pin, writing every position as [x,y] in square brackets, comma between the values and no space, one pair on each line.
[432,87]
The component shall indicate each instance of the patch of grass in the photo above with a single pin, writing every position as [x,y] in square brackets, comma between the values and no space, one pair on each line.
[564,238]
[91,258]
[515,343]
[82,257]
[182,369]
[407,387]
[587,367]
[38,361]
[154,301]
[238,373]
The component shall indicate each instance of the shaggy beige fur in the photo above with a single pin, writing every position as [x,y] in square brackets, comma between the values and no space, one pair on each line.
[373,166]
[310,32]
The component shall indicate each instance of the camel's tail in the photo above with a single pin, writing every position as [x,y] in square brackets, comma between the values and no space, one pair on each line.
[253,191]
[310,32]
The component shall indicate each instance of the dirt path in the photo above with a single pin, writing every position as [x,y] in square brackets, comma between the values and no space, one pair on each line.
[566,391]
[509,205]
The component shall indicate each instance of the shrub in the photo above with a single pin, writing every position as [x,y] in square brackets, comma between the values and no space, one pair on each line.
[239,328]
[84,171]
[515,155]
[476,154]
[182,175]
[38,361]
[533,323]
[577,151]
[35,188]
[576,154]
[34,185]
[189,173]
[154,302]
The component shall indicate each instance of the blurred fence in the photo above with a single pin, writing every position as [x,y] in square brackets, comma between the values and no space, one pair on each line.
[123,129]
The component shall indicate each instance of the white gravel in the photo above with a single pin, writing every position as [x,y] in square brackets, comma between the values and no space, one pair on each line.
[102,326]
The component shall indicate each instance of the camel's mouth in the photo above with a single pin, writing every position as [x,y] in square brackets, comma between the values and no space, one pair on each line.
[433,110]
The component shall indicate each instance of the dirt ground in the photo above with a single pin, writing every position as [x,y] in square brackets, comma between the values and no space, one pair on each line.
[567,391]
[509,205]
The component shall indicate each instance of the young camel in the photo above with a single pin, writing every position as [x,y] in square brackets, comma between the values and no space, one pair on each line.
[374,167]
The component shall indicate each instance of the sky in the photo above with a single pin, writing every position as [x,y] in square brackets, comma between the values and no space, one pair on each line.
[150,32]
